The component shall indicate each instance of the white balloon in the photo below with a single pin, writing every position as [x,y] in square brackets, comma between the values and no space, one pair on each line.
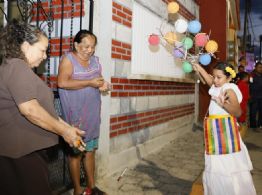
[181,26]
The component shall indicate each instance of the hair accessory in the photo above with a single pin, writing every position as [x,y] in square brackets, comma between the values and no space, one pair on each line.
[230,71]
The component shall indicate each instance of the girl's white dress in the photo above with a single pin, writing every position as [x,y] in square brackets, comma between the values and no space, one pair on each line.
[227,174]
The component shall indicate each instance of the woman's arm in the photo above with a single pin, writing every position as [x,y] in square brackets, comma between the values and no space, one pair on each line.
[228,100]
[37,115]
[65,77]
[207,77]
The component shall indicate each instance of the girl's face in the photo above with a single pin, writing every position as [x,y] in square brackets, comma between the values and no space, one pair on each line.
[86,48]
[35,53]
[220,78]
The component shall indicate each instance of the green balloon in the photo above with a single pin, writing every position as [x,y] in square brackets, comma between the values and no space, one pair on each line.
[187,43]
[187,67]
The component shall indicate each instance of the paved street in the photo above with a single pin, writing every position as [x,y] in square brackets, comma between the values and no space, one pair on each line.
[173,169]
[253,141]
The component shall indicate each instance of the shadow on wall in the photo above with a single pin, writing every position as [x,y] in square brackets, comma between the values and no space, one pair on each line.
[140,137]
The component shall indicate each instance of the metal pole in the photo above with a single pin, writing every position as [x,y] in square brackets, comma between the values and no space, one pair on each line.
[245,26]
[91,15]
[81,13]
[6,12]
[260,49]
[37,12]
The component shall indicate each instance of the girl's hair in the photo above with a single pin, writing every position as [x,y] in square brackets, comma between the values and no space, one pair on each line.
[222,66]
[14,34]
[82,34]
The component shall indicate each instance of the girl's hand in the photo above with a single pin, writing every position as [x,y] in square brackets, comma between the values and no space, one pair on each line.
[222,99]
[73,136]
[196,67]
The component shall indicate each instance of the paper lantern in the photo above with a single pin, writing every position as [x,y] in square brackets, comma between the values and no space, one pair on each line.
[205,59]
[194,26]
[172,7]
[170,37]
[187,43]
[187,67]
[181,25]
[201,39]
[211,46]
[178,53]
[153,39]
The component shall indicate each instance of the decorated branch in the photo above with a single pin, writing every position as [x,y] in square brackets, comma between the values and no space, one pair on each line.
[204,47]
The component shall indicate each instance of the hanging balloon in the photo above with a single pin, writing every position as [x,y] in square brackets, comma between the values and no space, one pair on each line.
[205,59]
[187,67]
[181,25]
[170,37]
[178,53]
[153,39]
[211,46]
[172,7]
[201,39]
[187,43]
[194,26]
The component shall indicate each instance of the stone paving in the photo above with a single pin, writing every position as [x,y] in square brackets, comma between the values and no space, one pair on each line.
[253,141]
[173,169]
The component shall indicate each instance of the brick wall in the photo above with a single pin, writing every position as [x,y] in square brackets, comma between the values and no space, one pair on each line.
[57,9]
[55,35]
[139,104]
[123,87]
[55,46]
[122,15]
[128,123]
[121,50]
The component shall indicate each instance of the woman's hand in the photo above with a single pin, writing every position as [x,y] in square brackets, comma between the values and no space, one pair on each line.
[106,87]
[73,137]
[97,82]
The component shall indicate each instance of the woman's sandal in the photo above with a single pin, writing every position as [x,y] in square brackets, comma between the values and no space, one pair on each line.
[97,191]
[87,191]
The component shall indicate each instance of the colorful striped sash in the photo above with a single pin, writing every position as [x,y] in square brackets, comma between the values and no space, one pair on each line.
[221,134]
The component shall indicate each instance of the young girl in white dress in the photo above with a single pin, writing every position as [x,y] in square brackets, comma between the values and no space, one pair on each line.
[227,162]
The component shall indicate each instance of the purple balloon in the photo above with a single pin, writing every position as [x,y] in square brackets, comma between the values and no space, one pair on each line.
[178,53]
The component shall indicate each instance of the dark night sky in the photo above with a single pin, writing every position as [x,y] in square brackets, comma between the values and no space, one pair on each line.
[255,16]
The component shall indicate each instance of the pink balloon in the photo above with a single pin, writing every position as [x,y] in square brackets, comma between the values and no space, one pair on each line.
[201,39]
[153,39]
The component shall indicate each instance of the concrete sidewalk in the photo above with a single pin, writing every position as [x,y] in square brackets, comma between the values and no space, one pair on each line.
[253,141]
[173,169]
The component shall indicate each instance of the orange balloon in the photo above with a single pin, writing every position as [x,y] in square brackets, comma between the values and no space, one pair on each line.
[170,37]
[172,7]
[211,46]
